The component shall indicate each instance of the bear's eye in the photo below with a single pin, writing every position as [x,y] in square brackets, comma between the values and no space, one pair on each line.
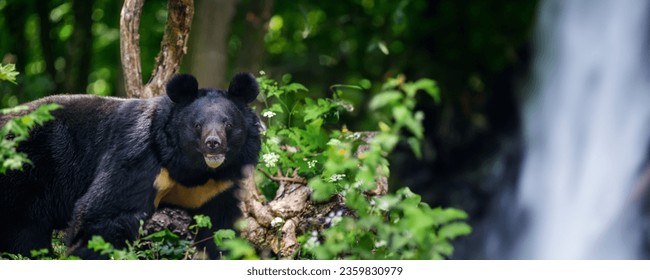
[228,125]
[197,126]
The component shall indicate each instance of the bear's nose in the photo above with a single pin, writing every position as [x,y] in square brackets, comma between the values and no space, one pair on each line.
[212,142]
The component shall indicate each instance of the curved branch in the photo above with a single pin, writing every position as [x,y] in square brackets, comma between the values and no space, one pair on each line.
[173,45]
[130,47]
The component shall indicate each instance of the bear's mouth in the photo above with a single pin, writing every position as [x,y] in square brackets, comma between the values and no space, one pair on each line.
[214,161]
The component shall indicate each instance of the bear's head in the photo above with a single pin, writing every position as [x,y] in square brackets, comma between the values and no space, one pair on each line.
[211,125]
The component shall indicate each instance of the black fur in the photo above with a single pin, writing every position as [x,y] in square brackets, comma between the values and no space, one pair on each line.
[95,164]
[244,87]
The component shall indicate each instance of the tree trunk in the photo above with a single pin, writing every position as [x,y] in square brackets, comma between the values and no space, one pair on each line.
[208,56]
[250,56]
[172,47]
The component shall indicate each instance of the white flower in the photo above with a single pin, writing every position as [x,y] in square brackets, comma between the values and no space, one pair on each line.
[380,243]
[312,241]
[270,159]
[277,221]
[268,114]
[337,177]
[312,163]
[383,205]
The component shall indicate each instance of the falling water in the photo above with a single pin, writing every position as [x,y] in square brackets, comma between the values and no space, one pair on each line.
[587,130]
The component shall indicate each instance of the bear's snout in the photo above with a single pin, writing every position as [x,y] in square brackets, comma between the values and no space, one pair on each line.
[213,142]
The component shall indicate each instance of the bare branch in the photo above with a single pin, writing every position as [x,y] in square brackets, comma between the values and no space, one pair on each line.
[173,45]
[130,47]
[296,179]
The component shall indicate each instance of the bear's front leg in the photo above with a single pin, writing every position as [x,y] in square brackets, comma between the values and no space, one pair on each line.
[223,211]
[112,208]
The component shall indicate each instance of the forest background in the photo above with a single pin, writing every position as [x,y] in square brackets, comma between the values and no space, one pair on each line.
[476,51]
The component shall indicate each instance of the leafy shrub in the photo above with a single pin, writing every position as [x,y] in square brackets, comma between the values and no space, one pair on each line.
[17,130]
[304,138]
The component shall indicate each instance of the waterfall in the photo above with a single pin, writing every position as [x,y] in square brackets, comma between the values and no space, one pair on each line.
[586,131]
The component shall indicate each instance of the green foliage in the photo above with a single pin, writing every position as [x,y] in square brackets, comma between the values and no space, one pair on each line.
[237,247]
[17,130]
[304,138]
[160,245]
[58,253]
[166,245]
[8,73]
[395,226]
[394,108]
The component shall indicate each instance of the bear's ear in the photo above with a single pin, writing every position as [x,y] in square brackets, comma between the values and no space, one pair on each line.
[182,88]
[243,87]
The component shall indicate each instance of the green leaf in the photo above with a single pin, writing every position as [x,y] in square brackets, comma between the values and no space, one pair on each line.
[223,234]
[294,87]
[277,108]
[14,109]
[97,244]
[453,230]
[446,215]
[382,47]
[414,143]
[322,190]
[430,87]
[387,202]
[403,116]
[163,235]
[443,248]
[8,73]
[239,249]
[384,98]
[201,221]
[384,127]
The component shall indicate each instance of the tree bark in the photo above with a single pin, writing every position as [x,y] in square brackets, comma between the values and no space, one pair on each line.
[208,57]
[130,47]
[172,47]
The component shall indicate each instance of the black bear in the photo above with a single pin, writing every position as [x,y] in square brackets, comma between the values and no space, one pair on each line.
[104,164]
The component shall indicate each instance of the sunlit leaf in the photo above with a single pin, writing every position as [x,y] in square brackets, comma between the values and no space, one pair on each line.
[384,98]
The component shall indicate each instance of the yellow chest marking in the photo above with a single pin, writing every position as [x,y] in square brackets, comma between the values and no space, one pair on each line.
[172,192]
